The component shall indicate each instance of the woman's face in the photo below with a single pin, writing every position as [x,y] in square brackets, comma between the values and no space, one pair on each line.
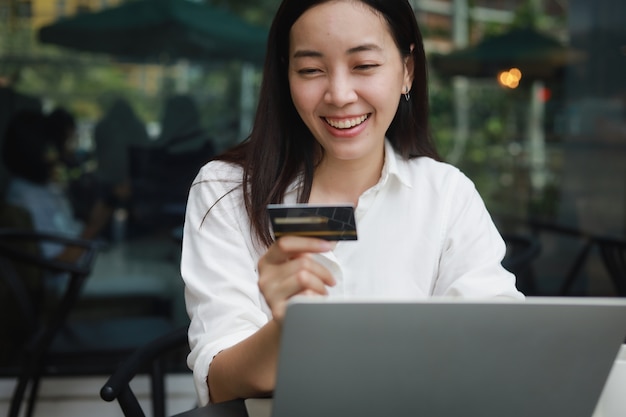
[346,76]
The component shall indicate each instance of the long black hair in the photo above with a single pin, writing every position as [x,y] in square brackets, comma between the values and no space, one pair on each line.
[280,147]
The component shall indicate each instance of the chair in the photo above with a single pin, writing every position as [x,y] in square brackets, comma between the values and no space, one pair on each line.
[521,251]
[613,253]
[159,199]
[152,356]
[53,341]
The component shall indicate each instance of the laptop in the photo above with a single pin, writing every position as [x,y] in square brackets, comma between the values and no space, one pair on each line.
[545,356]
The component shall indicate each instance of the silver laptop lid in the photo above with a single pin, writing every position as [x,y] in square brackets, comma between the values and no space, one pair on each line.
[540,357]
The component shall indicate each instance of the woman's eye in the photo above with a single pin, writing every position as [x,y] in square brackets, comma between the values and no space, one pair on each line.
[308,71]
[366,66]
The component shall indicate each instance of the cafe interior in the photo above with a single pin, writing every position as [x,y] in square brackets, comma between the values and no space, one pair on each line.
[528,99]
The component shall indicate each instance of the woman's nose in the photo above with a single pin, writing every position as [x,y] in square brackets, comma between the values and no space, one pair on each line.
[340,91]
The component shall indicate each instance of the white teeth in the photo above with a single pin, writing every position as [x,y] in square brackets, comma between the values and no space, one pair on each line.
[346,124]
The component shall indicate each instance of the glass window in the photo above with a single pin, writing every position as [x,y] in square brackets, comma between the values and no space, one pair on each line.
[546,146]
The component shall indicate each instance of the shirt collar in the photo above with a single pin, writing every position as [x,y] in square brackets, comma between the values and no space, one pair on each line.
[394,166]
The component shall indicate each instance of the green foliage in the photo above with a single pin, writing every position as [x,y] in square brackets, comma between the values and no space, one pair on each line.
[441,115]
[527,15]
[493,154]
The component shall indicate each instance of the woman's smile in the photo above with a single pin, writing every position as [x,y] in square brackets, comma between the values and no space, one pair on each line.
[346,123]
[346,127]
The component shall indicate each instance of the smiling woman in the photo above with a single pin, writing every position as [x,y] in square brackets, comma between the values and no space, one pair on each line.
[342,118]
[345,87]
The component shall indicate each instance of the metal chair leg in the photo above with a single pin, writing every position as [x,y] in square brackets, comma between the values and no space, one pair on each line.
[34,393]
[158,389]
[18,395]
[576,266]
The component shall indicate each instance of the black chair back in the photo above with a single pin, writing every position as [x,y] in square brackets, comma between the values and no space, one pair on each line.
[521,251]
[55,342]
[613,252]
[151,355]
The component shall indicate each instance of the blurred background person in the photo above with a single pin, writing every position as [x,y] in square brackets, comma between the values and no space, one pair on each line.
[114,134]
[76,169]
[181,129]
[32,159]
[62,132]
[10,102]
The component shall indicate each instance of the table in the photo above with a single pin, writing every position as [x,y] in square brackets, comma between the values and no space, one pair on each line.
[145,266]
[235,408]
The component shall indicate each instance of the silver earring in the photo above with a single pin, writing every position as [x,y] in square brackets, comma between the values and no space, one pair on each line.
[407,94]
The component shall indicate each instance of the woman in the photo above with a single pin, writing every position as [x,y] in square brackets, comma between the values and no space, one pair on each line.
[342,117]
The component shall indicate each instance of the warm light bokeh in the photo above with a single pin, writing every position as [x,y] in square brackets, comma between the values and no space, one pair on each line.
[510,78]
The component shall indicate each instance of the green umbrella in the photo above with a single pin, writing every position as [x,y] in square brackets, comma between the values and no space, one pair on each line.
[537,55]
[161,30]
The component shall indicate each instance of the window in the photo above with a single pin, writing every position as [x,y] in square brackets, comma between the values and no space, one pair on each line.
[551,152]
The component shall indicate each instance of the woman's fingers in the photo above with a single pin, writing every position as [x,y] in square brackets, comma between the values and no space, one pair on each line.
[304,273]
[288,268]
[283,280]
[289,246]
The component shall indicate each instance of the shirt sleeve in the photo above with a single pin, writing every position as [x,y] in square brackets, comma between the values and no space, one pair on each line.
[473,249]
[219,268]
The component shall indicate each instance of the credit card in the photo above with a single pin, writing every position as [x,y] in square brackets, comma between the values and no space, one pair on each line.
[330,222]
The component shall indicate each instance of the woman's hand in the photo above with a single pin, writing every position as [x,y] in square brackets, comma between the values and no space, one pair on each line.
[288,269]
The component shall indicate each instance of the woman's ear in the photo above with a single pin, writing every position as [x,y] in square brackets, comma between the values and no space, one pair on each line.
[409,67]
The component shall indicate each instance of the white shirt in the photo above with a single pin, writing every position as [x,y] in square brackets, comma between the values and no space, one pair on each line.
[49,209]
[423,231]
